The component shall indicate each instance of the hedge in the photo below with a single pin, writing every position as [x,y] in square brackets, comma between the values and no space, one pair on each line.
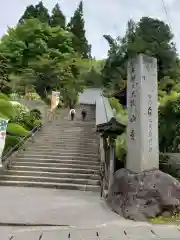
[4,96]
[15,129]
[11,141]
[7,110]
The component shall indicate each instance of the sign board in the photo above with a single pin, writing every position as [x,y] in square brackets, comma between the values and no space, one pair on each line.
[3,128]
[54,100]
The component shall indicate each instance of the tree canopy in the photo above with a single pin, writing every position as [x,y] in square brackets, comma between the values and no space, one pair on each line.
[38,11]
[149,36]
[76,26]
[57,17]
[40,53]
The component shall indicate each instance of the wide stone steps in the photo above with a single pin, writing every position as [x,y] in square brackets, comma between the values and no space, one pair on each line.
[57,161]
[63,154]
[52,174]
[70,186]
[57,155]
[26,162]
[64,150]
[49,179]
[55,169]
[59,141]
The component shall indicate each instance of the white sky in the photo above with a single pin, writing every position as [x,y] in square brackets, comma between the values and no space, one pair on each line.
[101,17]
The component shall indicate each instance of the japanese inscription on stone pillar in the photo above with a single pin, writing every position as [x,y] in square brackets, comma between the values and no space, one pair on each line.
[142,101]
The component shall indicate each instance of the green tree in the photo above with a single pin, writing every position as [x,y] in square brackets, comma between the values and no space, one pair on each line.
[42,57]
[57,17]
[37,11]
[149,36]
[76,26]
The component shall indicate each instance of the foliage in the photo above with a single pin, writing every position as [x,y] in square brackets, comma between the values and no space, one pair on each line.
[115,105]
[169,112]
[149,36]
[15,129]
[121,147]
[35,114]
[38,11]
[57,17]
[32,96]
[7,110]
[14,96]
[22,112]
[45,58]
[11,141]
[4,96]
[90,72]
[76,26]
[19,118]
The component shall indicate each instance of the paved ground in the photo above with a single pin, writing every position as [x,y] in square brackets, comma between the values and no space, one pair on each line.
[48,206]
[81,214]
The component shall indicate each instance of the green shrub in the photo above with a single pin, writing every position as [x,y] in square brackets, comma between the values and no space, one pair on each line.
[4,96]
[37,123]
[169,97]
[17,130]
[117,106]
[7,110]
[35,114]
[32,96]
[121,147]
[60,104]
[22,111]
[11,141]
[14,96]
[30,123]
[169,124]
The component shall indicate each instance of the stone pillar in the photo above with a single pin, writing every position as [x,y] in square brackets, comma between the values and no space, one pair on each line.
[142,102]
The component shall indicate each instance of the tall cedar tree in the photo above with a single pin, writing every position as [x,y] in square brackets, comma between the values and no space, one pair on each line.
[37,11]
[57,17]
[76,26]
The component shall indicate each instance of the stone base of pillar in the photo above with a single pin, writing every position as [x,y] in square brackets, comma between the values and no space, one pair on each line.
[144,195]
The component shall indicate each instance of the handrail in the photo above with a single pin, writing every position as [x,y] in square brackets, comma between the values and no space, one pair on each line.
[19,144]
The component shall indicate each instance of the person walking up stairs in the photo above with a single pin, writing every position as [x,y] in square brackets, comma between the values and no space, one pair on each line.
[64,155]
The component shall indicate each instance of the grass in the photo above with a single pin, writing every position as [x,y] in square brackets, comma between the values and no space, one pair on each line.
[174,219]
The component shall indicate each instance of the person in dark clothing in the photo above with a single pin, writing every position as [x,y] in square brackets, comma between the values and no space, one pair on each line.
[83,113]
[72,113]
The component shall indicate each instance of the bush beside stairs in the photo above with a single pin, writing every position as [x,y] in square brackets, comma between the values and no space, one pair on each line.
[63,154]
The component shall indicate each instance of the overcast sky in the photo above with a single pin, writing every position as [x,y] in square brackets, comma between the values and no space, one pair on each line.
[101,16]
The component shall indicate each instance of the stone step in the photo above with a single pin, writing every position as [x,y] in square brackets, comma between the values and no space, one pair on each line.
[68,142]
[57,161]
[59,152]
[70,139]
[49,179]
[85,132]
[59,145]
[81,187]
[67,145]
[27,155]
[73,134]
[59,137]
[55,169]
[63,150]
[51,174]
[56,165]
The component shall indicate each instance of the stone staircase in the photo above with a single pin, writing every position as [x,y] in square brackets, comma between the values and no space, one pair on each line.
[64,154]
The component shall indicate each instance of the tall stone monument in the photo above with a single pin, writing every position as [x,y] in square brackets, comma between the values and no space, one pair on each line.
[141,191]
[142,103]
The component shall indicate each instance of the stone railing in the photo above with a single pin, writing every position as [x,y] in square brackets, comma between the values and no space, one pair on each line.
[108,129]
[104,117]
